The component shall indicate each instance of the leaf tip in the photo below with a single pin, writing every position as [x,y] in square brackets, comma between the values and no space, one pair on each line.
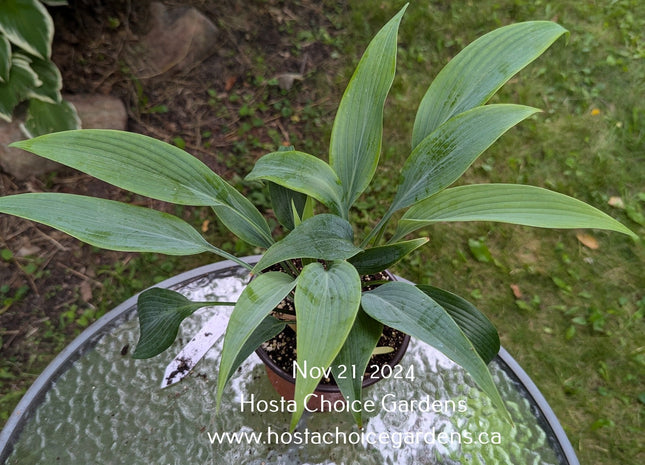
[21,144]
[137,355]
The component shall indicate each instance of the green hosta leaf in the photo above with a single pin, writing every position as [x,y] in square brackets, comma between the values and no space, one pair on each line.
[21,80]
[5,59]
[284,201]
[43,117]
[479,70]
[160,312]
[27,24]
[326,305]
[267,329]
[477,328]
[301,172]
[259,298]
[354,357]
[442,157]
[155,169]
[300,215]
[109,224]
[377,259]
[323,237]
[508,203]
[242,218]
[404,307]
[358,127]
[52,82]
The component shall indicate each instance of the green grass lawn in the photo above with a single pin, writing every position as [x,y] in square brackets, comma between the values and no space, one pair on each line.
[570,313]
[569,307]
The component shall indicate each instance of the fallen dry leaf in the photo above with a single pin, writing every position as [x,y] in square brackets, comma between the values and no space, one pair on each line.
[229,83]
[616,202]
[587,240]
[205,225]
[86,291]
[516,291]
[28,250]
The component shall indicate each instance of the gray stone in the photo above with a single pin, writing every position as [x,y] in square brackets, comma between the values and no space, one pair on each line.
[16,162]
[179,40]
[95,112]
[99,111]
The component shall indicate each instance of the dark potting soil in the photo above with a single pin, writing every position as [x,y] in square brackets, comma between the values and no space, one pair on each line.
[282,348]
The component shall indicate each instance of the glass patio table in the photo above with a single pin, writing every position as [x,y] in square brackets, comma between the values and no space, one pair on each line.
[96,404]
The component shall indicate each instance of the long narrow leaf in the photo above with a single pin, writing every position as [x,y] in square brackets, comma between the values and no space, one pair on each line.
[283,202]
[442,157]
[327,301]
[323,236]
[477,328]
[353,359]
[507,203]
[301,172]
[358,127]
[160,312]
[288,205]
[108,224]
[404,307]
[376,259]
[155,169]
[267,329]
[479,70]
[259,298]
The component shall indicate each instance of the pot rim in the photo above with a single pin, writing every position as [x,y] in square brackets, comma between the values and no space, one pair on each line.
[268,361]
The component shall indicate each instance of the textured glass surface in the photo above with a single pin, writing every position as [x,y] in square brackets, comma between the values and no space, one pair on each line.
[108,408]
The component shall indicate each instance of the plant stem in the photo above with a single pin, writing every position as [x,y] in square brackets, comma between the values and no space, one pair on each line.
[379,236]
[288,267]
[231,257]
[377,231]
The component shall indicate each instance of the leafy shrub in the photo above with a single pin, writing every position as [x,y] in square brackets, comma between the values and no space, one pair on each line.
[26,70]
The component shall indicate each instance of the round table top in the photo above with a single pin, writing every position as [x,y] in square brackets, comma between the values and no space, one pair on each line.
[96,404]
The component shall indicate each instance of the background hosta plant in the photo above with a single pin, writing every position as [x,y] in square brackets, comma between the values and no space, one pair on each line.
[337,322]
[26,70]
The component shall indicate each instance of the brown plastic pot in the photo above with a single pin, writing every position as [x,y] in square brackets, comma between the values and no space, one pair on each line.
[285,384]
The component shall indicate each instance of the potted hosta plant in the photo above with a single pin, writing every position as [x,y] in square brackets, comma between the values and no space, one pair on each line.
[315,268]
